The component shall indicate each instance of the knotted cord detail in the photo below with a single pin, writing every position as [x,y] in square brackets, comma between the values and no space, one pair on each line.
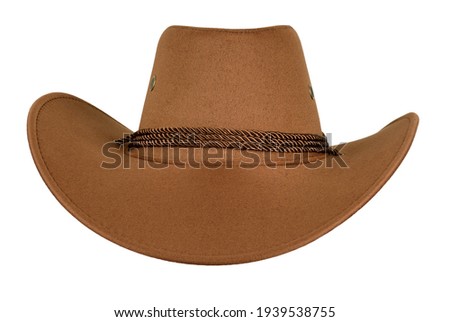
[204,137]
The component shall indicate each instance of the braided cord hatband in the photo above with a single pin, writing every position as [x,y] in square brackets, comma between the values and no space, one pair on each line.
[204,137]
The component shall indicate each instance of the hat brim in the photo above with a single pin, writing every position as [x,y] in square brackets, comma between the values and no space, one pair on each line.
[202,216]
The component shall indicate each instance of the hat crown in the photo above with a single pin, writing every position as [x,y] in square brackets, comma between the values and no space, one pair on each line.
[229,78]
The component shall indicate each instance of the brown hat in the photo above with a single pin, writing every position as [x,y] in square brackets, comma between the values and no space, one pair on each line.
[229,164]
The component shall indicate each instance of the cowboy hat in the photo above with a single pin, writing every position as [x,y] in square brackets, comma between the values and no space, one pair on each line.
[229,164]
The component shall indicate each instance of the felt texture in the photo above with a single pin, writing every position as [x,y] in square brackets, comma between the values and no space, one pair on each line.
[253,79]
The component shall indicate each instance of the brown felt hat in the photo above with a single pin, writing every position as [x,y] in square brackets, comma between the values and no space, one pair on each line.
[229,164]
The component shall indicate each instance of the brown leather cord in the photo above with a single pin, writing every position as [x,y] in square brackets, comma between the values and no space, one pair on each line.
[203,137]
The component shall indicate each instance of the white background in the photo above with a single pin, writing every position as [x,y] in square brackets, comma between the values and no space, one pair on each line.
[369,63]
